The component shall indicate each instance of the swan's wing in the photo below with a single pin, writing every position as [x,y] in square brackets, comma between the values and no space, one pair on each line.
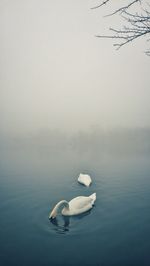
[84,179]
[93,197]
[79,205]
[80,202]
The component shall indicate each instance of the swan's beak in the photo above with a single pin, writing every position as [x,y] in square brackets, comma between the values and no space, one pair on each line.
[52,215]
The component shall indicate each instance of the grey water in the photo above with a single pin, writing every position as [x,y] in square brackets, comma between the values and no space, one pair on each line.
[38,170]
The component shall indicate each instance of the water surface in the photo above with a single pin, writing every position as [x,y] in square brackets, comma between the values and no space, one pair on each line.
[36,174]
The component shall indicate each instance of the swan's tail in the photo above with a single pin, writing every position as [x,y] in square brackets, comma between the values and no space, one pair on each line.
[93,197]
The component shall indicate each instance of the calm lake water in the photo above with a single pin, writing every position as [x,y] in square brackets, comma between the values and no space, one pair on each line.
[37,172]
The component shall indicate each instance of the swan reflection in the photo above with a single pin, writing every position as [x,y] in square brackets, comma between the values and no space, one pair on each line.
[62,223]
[82,215]
[60,227]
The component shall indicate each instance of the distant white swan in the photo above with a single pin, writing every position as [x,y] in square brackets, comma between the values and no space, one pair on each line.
[76,206]
[85,180]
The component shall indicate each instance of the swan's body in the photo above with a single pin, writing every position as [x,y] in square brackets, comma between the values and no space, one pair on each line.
[75,206]
[85,180]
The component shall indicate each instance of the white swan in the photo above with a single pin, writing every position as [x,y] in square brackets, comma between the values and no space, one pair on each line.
[76,206]
[85,180]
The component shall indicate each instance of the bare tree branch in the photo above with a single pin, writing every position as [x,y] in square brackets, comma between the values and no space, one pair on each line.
[118,10]
[137,23]
[123,8]
[104,2]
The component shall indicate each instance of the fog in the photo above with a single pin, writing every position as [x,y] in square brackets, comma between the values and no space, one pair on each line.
[91,145]
[55,75]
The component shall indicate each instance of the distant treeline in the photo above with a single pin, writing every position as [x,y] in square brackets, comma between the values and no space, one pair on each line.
[115,141]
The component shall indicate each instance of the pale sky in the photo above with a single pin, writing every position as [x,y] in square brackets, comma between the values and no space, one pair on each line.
[54,72]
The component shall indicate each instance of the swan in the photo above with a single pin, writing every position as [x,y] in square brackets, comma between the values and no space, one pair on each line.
[75,206]
[85,180]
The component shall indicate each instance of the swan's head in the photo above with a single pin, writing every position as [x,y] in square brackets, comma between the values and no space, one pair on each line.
[53,214]
[60,204]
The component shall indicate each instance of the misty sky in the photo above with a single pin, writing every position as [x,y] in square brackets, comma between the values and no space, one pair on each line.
[55,74]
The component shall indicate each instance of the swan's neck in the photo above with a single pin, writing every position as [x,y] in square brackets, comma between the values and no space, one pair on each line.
[61,204]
